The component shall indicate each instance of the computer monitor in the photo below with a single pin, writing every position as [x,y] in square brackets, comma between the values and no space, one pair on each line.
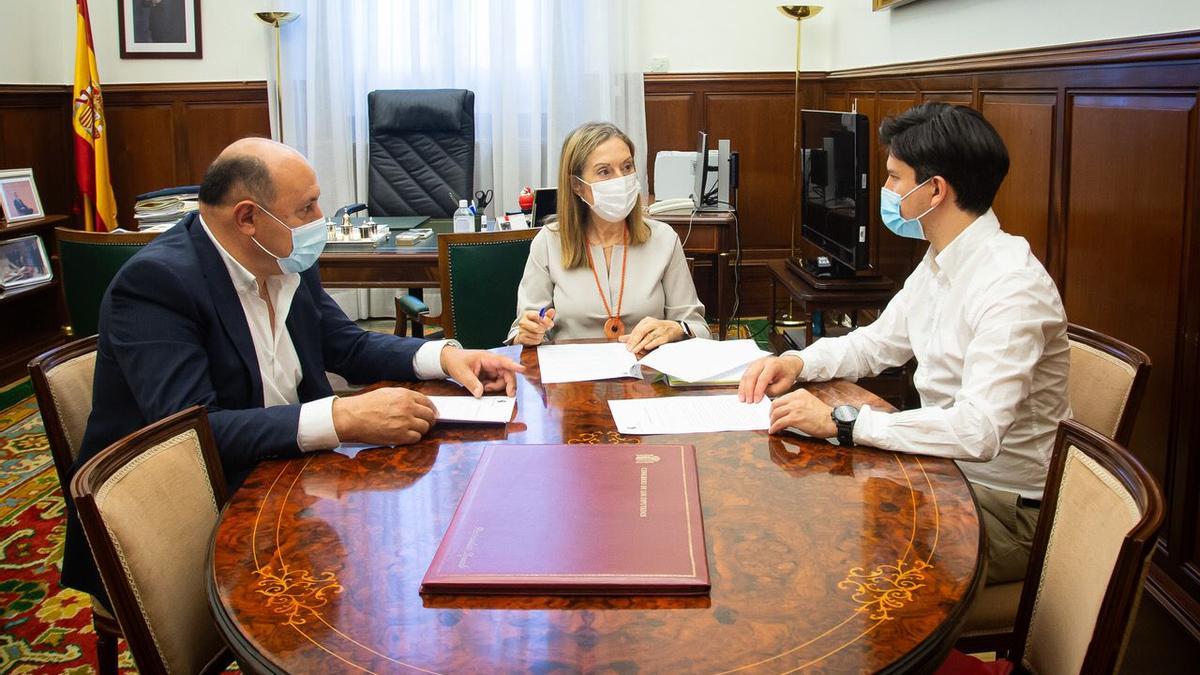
[716,193]
[699,198]
[835,213]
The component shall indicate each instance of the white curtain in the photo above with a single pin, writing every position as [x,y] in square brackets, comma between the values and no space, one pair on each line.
[538,68]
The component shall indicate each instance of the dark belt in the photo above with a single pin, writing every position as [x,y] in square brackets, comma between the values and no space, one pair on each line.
[1029,503]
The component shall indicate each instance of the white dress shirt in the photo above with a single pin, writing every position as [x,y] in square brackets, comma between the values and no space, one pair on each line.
[278,362]
[987,327]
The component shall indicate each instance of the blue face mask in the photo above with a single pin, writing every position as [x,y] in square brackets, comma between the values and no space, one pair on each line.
[307,243]
[889,210]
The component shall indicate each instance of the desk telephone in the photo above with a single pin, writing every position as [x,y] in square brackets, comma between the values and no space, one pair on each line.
[679,204]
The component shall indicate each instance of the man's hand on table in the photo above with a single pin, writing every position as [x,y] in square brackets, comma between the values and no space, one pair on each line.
[387,416]
[805,412]
[481,371]
[770,375]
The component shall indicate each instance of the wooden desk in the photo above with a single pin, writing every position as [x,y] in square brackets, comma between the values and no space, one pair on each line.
[847,560]
[817,300]
[391,266]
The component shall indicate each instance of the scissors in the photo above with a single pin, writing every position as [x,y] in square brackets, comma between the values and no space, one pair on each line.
[483,198]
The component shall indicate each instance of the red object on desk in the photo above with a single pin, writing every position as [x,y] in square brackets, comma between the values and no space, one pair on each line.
[525,199]
[576,520]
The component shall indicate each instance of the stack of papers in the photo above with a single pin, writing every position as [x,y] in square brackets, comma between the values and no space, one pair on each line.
[584,363]
[460,409]
[704,361]
[690,414]
[485,410]
[165,209]
[693,361]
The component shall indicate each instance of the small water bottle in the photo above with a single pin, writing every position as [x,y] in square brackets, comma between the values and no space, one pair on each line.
[463,222]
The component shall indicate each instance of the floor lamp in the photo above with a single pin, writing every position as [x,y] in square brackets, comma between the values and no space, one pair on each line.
[798,13]
[276,20]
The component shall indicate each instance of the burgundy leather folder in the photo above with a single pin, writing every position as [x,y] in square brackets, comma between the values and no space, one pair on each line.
[576,520]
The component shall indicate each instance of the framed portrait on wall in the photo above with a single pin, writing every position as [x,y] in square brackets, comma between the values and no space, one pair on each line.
[19,196]
[159,29]
[23,262]
[888,4]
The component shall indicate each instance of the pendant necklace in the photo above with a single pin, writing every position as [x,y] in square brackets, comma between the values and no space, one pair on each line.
[614,327]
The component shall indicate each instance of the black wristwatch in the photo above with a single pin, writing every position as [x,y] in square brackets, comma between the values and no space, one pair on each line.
[844,417]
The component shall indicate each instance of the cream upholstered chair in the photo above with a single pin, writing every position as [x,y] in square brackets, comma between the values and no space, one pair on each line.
[62,383]
[1090,559]
[1107,381]
[148,505]
[1100,518]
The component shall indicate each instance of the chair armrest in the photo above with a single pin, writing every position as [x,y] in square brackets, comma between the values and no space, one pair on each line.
[412,307]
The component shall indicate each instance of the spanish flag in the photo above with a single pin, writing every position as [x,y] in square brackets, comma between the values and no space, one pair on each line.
[91,131]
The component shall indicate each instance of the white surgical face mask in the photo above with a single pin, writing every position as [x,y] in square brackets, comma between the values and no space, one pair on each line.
[889,211]
[307,243]
[614,198]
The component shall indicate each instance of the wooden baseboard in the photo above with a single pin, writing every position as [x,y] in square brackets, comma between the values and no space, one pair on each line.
[1174,600]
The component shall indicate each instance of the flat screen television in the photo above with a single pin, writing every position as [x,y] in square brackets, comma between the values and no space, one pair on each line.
[835,205]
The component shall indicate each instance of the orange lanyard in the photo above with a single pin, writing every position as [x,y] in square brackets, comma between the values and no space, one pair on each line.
[613,327]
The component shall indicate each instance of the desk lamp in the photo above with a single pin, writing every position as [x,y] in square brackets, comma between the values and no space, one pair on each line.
[276,20]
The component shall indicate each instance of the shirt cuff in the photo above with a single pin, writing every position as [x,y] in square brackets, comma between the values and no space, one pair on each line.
[870,428]
[316,431]
[428,361]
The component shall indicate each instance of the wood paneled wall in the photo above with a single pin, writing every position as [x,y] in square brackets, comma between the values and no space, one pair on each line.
[1104,140]
[160,135]
[166,135]
[35,132]
[754,111]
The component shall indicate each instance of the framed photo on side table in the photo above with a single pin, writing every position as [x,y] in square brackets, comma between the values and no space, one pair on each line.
[23,261]
[19,196]
[159,29]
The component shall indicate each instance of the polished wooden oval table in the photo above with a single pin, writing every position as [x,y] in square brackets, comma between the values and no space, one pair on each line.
[821,558]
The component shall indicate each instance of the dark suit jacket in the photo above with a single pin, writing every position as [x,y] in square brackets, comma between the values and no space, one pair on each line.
[173,334]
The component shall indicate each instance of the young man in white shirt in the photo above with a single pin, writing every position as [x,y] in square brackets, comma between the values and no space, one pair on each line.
[980,315]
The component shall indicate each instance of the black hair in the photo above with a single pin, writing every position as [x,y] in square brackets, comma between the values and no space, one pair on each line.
[226,173]
[954,142]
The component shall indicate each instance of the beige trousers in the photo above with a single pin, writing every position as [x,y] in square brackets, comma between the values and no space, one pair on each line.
[1010,528]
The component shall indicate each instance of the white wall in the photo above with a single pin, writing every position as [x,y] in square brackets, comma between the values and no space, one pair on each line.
[37,37]
[751,35]
[37,44]
[932,29]
[704,36]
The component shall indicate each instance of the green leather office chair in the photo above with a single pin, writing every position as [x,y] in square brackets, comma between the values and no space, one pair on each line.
[480,273]
[89,261]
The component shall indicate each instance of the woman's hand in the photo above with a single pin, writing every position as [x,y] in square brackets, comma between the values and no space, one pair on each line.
[651,333]
[531,330]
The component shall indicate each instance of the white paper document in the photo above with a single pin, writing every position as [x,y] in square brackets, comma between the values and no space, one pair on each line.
[690,414]
[584,363]
[697,360]
[485,410]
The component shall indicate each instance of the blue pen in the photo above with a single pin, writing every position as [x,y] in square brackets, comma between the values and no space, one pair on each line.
[542,312]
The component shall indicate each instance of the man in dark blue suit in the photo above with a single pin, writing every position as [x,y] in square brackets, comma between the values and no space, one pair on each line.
[226,310]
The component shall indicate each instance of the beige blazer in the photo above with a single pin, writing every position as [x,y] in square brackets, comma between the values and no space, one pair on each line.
[657,284]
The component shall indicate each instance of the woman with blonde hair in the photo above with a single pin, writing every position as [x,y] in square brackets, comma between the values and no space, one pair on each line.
[601,269]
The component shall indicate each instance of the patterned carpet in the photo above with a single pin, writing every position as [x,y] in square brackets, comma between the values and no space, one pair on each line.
[43,628]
